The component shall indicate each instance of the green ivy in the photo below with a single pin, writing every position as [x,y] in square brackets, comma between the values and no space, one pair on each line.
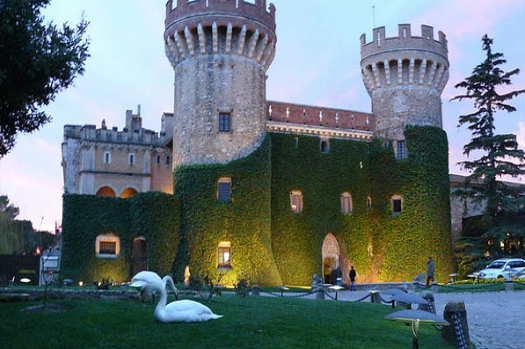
[152,215]
[270,244]
[244,222]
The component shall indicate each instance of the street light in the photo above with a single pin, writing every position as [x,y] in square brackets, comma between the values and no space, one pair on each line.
[416,317]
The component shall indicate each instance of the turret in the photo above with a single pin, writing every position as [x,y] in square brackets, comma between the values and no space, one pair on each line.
[404,76]
[220,51]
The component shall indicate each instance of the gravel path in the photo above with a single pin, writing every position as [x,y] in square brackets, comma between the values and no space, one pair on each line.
[496,320]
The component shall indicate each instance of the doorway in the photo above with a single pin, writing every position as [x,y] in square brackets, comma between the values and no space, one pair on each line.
[139,255]
[331,254]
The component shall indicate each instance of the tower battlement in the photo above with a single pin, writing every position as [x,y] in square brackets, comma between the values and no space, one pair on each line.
[404,41]
[220,26]
[404,76]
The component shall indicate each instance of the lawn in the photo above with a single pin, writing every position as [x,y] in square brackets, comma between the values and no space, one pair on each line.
[251,322]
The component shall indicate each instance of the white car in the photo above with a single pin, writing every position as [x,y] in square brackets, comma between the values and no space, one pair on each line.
[503,268]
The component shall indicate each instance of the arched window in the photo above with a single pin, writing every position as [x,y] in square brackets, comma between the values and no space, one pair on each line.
[127,193]
[346,203]
[106,191]
[296,201]
[107,246]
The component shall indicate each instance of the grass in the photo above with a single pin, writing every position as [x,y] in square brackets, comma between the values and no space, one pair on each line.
[251,322]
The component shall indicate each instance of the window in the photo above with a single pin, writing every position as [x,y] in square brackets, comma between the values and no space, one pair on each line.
[224,122]
[224,253]
[224,189]
[369,202]
[325,146]
[346,203]
[107,157]
[397,204]
[107,246]
[131,159]
[401,150]
[158,159]
[296,201]
[168,159]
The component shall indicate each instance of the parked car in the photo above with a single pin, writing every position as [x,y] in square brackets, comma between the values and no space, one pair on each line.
[503,268]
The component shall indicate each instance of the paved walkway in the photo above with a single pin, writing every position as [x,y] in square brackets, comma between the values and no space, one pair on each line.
[496,319]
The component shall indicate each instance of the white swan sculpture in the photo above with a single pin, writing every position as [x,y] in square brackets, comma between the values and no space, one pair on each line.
[178,311]
[145,281]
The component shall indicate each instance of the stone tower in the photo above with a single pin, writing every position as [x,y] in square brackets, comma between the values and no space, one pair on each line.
[404,76]
[220,51]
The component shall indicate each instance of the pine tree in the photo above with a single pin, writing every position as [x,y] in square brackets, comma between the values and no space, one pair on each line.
[497,155]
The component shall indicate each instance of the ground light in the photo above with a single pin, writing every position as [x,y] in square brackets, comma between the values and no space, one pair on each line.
[416,317]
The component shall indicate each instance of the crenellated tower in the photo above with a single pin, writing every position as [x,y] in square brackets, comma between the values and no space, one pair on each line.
[404,76]
[220,51]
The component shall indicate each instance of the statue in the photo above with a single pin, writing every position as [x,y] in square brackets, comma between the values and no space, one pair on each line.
[178,311]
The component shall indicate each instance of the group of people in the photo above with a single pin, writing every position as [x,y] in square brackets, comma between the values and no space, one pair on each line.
[430,274]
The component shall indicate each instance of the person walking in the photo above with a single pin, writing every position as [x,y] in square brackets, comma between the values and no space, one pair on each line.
[430,271]
[352,275]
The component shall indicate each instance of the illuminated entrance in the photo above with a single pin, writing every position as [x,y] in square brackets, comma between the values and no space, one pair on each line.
[330,253]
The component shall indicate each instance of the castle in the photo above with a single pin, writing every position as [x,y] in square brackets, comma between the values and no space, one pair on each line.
[238,186]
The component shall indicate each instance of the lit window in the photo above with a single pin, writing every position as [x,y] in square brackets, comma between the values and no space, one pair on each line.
[107,157]
[325,146]
[346,203]
[224,189]
[369,202]
[296,201]
[397,204]
[131,159]
[107,246]
[401,150]
[224,255]
[224,122]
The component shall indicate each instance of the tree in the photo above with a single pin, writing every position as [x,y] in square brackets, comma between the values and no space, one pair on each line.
[37,60]
[498,153]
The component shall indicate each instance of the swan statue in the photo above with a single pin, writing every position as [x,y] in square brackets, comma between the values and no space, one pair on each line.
[178,311]
[144,280]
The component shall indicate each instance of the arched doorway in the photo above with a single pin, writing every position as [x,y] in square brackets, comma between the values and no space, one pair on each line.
[330,253]
[105,191]
[139,255]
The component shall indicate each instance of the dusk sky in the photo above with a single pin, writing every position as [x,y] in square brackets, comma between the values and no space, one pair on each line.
[317,63]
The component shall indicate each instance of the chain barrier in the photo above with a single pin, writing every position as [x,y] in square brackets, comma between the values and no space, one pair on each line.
[459,330]
[309,293]
[363,298]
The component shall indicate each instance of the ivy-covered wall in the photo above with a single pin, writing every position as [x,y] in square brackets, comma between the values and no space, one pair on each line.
[382,247]
[270,244]
[153,215]
[245,222]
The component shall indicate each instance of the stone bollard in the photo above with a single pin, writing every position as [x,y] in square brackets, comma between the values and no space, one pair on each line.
[435,287]
[375,297]
[431,305]
[256,291]
[509,285]
[457,333]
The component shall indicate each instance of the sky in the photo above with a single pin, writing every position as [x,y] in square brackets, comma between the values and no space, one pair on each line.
[317,63]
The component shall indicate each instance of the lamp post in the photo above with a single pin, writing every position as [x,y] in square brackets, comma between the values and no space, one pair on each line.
[416,317]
